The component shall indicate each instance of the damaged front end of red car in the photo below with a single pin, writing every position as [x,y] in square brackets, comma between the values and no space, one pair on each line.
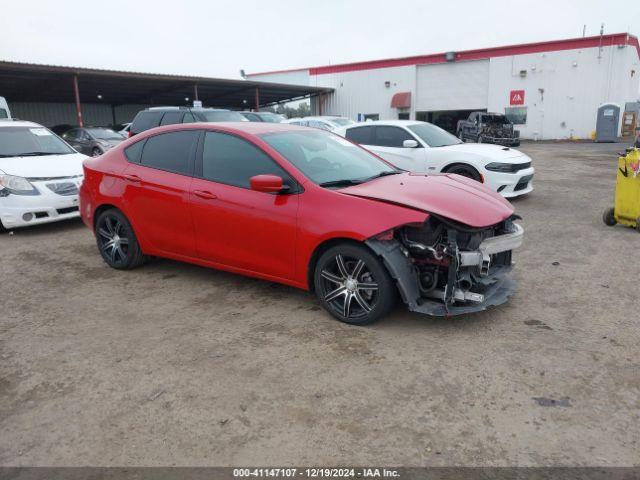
[444,268]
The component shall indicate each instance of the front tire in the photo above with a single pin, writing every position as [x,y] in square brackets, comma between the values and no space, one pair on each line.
[117,241]
[353,285]
[464,170]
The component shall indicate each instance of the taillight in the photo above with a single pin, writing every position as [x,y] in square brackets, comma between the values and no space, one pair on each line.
[130,134]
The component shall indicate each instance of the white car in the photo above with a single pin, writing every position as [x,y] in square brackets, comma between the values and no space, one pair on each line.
[39,176]
[324,122]
[423,147]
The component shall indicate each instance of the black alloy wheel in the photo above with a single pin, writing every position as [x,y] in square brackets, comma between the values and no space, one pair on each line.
[353,285]
[117,242]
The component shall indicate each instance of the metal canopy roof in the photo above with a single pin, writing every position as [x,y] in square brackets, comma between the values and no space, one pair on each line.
[26,82]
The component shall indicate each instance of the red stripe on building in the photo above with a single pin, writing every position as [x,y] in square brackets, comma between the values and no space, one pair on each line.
[480,54]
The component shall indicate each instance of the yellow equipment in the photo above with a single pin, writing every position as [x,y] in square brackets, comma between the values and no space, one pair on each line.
[626,210]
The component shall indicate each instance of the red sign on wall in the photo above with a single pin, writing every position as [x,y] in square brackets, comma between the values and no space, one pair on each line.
[516,97]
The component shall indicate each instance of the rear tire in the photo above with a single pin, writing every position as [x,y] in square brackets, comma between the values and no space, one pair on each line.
[464,170]
[341,278]
[117,241]
[609,218]
[96,152]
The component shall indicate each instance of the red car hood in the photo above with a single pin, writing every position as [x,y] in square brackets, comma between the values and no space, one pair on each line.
[450,196]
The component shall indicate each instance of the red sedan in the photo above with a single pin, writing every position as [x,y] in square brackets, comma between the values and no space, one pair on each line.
[306,208]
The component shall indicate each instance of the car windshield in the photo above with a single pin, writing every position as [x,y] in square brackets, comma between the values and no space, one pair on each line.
[433,136]
[31,141]
[326,158]
[341,122]
[222,116]
[494,119]
[104,134]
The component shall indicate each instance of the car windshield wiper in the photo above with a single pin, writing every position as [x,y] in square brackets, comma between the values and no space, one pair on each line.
[383,174]
[340,183]
[35,154]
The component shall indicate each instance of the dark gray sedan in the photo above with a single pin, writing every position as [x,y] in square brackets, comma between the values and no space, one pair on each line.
[93,141]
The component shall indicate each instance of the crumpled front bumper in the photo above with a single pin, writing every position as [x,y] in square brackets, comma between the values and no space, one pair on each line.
[492,282]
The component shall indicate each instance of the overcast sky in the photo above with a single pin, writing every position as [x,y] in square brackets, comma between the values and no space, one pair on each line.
[219,37]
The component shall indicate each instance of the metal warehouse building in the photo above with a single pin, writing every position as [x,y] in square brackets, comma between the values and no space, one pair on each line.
[550,90]
[52,95]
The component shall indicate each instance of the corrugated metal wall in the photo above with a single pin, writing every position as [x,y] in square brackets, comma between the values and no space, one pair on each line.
[52,114]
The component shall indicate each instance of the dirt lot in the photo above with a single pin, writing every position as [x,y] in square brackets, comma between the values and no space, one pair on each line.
[173,364]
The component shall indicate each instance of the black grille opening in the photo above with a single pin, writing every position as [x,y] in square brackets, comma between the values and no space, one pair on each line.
[41,214]
[62,211]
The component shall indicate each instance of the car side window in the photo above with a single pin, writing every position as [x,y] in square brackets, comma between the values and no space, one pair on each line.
[189,118]
[145,121]
[170,151]
[233,161]
[83,135]
[71,135]
[134,152]
[361,135]
[171,118]
[387,136]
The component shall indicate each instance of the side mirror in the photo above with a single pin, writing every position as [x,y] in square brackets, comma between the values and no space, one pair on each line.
[410,144]
[267,183]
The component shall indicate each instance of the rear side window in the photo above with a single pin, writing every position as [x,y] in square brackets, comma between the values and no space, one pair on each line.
[170,151]
[386,136]
[3,113]
[171,118]
[361,135]
[233,161]
[252,117]
[189,118]
[134,152]
[145,121]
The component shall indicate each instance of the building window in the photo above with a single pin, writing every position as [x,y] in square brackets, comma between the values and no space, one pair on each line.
[371,116]
[516,115]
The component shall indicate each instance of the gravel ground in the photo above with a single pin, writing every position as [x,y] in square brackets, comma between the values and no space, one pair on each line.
[174,364]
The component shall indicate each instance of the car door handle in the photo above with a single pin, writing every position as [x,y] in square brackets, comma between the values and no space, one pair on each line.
[204,194]
[132,178]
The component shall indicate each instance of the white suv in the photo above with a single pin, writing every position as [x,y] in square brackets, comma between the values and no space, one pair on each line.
[423,147]
[39,176]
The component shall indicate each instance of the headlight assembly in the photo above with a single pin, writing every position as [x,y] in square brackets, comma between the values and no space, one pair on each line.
[10,184]
[500,167]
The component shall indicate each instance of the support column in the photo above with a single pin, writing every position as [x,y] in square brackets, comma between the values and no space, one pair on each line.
[257,99]
[195,92]
[76,92]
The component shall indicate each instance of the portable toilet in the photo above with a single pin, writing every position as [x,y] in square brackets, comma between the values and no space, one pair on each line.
[608,122]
